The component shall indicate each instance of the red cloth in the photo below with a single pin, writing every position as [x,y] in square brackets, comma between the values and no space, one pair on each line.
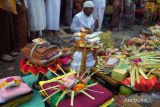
[30,68]
[82,100]
[145,85]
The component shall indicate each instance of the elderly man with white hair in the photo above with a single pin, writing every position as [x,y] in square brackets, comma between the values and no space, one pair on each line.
[84,21]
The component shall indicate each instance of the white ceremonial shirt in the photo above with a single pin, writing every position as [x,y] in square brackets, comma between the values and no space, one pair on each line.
[81,20]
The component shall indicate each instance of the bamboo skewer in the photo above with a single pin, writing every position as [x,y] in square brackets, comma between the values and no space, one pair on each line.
[54,72]
[95,91]
[143,74]
[92,85]
[49,88]
[133,77]
[78,71]
[87,78]
[123,40]
[137,76]
[72,98]
[84,73]
[60,81]
[62,95]
[51,95]
[87,94]
[151,72]
[61,69]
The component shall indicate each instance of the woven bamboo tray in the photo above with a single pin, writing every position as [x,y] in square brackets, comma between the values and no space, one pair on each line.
[105,80]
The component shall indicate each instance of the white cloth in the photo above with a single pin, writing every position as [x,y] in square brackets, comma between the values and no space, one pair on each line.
[93,35]
[53,14]
[36,15]
[81,20]
[98,13]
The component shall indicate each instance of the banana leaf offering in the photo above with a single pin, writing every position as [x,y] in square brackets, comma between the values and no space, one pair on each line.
[141,66]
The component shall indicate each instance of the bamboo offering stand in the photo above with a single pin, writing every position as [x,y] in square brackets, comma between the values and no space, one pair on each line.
[82,46]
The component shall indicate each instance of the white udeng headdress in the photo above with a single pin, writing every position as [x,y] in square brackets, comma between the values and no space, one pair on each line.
[88,4]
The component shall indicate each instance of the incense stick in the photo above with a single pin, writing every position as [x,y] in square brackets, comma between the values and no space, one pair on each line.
[133,77]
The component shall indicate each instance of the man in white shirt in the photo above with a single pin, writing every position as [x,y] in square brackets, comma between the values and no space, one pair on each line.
[84,21]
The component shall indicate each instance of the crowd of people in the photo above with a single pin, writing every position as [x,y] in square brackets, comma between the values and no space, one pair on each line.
[25,20]
[126,13]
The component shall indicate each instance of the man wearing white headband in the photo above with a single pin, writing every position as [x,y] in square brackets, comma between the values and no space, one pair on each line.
[84,21]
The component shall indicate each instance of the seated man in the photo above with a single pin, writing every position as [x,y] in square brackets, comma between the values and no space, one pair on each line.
[84,21]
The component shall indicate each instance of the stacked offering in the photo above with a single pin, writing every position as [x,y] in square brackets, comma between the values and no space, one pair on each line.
[13,92]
